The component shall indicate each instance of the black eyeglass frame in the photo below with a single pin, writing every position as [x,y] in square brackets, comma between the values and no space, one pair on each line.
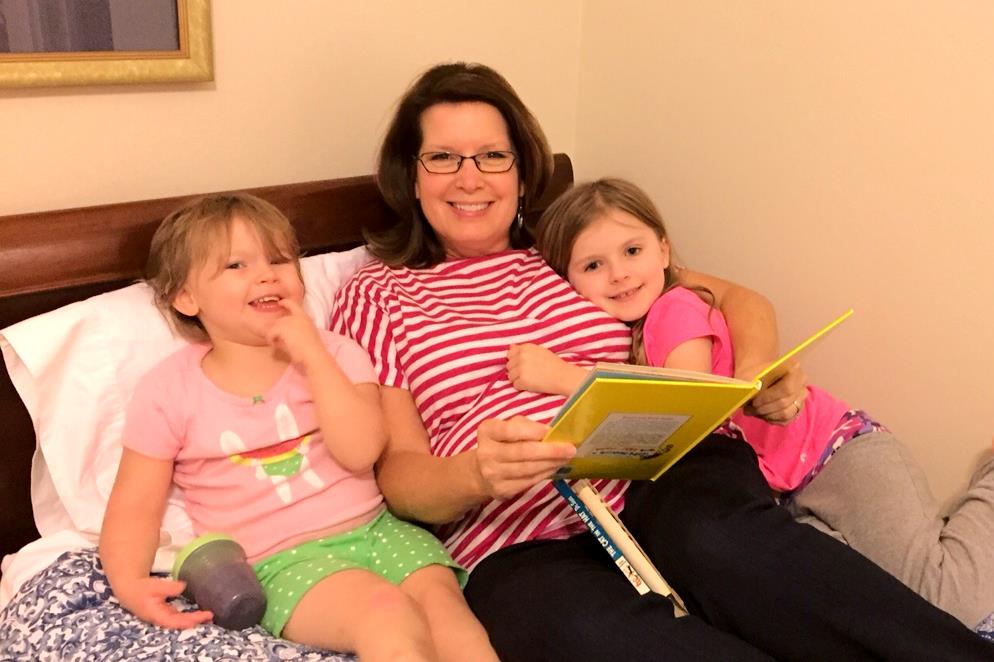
[475,157]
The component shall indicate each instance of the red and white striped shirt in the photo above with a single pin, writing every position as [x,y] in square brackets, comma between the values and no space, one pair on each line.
[443,333]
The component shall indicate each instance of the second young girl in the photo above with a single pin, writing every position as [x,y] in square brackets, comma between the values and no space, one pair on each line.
[271,428]
[835,467]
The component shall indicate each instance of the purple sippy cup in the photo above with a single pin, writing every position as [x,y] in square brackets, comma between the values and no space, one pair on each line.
[219,579]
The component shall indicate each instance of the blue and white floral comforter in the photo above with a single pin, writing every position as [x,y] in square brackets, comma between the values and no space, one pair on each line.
[67,613]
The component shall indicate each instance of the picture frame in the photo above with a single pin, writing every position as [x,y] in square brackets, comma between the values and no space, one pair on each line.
[191,62]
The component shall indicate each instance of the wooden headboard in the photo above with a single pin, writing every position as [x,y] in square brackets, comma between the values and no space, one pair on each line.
[50,259]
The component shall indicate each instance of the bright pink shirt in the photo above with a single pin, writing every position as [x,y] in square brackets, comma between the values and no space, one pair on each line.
[258,471]
[786,452]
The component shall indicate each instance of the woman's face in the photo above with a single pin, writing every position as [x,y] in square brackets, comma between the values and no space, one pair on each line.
[470,211]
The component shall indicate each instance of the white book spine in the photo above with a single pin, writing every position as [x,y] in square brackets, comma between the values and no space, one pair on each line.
[606,541]
[622,539]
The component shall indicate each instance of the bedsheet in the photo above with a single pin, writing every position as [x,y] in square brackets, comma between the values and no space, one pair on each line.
[67,613]
[36,556]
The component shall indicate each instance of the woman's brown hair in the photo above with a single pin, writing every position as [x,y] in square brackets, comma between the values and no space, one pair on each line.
[580,206]
[410,241]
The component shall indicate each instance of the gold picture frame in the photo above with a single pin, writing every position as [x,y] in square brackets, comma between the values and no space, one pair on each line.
[191,62]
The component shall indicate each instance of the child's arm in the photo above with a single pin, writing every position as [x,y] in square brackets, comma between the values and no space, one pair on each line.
[694,354]
[129,537]
[534,368]
[349,414]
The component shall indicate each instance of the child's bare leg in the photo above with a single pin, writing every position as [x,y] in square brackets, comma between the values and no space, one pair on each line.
[457,634]
[359,611]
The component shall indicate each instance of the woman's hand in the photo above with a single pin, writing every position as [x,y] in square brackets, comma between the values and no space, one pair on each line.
[534,368]
[781,401]
[147,598]
[511,456]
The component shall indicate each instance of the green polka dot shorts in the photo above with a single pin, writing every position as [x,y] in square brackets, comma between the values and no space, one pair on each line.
[387,546]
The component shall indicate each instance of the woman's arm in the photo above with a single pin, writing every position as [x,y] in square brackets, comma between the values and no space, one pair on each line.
[129,537]
[752,324]
[752,321]
[509,458]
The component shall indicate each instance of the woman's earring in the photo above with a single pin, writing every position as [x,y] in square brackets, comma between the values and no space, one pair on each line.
[519,220]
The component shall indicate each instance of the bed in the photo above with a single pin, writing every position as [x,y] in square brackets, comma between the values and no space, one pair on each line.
[76,329]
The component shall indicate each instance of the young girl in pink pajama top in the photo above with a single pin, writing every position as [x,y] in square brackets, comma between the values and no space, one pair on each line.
[835,467]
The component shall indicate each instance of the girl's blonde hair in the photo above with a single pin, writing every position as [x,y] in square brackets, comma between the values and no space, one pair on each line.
[574,211]
[187,237]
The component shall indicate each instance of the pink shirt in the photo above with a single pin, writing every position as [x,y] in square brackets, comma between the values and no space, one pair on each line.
[786,453]
[443,333]
[260,471]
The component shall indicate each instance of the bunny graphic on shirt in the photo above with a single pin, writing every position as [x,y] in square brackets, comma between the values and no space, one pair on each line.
[280,461]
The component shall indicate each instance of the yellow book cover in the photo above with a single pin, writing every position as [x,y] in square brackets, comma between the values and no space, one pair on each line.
[635,421]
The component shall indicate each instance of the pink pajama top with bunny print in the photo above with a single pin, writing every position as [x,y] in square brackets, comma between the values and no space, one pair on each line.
[787,453]
[254,468]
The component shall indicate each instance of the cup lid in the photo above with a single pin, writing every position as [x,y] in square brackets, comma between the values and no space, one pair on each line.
[193,546]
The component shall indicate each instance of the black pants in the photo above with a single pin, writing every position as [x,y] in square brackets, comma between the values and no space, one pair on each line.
[758,584]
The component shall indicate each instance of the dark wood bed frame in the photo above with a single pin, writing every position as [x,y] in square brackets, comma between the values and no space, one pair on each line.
[50,259]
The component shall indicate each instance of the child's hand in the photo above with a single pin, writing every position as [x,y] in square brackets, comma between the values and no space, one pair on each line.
[296,335]
[534,368]
[146,599]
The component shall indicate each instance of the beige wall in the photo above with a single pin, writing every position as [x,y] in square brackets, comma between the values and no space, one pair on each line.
[830,154]
[302,91]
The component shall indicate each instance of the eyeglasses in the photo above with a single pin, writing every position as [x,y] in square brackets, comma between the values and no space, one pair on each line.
[446,163]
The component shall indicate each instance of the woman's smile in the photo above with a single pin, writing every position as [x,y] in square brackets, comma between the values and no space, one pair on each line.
[470,208]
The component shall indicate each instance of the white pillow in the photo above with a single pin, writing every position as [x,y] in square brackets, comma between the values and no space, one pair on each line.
[75,369]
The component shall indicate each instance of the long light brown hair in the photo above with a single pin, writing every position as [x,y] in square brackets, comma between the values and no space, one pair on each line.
[583,204]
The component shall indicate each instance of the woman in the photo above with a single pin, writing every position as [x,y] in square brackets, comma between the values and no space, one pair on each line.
[454,288]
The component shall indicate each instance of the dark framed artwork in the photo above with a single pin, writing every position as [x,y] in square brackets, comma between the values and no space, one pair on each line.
[47,43]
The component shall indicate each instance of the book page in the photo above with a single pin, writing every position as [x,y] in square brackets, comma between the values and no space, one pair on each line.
[629,371]
[630,435]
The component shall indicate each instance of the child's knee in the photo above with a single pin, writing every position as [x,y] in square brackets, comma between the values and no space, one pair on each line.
[432,582]
[388,601]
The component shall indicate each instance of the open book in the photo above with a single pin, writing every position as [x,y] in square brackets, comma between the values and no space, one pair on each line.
[634,422]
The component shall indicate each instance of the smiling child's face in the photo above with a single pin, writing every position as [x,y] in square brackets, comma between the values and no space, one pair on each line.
[236,291]
[618,263]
